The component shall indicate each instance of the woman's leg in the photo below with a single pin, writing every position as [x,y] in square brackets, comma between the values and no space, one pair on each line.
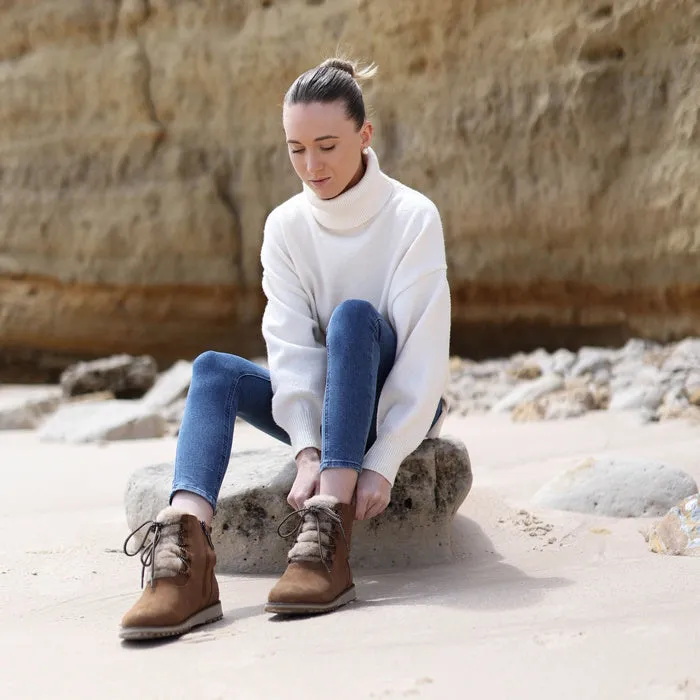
[223,387]
[361,351]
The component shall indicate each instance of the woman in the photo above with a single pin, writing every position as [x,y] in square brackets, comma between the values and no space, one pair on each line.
[357,328]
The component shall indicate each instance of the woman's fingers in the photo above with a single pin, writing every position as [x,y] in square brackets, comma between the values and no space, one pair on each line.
[372,511]
[377,508]
[361,507]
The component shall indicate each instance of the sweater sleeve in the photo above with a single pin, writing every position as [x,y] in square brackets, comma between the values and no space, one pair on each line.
[296,356]
[420,313]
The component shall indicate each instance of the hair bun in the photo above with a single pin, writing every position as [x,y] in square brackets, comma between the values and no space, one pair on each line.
[351,68]
[339,64]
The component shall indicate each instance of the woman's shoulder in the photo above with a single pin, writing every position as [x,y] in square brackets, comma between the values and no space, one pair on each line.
[409,201]
[287,211]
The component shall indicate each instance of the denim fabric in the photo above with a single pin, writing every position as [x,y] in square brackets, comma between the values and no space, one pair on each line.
[361,349]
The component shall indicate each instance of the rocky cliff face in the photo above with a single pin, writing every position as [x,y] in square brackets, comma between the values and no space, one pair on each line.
[141,149]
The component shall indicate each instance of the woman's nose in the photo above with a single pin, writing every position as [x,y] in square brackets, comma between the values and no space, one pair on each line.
[313,163]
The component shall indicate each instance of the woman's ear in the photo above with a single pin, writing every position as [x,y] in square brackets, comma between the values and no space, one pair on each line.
[366,134]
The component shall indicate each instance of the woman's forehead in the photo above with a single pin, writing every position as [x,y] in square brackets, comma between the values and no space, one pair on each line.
[309,120]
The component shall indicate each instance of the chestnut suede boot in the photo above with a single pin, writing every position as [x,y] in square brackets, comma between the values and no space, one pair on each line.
[318,577]
[182,591]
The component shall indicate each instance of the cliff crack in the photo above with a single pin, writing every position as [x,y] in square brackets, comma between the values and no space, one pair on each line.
[129,15]
[222,188]
[147,88]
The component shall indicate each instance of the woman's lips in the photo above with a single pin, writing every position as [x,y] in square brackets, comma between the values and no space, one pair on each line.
[320,182]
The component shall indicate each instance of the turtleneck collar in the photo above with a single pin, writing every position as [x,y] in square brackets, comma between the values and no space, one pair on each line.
[358,205]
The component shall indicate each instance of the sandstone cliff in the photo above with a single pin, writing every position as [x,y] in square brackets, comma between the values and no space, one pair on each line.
[141,149]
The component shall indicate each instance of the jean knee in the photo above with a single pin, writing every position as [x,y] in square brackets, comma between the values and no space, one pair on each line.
[352,313]
[215,363]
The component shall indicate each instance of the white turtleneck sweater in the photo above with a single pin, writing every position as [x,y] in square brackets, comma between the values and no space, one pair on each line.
[381,242]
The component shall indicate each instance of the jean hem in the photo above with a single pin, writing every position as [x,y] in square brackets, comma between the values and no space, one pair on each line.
[340,464]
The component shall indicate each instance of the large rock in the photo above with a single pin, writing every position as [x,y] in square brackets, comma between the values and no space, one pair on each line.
[125,376]
[414,530]
[678,533]
[103,421]
[170,387]
[560,140]
[617,487]
[27,412]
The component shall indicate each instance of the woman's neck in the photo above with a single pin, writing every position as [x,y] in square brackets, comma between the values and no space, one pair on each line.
[358,175]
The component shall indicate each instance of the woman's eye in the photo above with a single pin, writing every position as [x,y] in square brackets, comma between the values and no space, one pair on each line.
[299,150]
[327,148]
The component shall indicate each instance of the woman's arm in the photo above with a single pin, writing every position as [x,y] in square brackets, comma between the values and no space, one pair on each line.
[420,314]
[296,358]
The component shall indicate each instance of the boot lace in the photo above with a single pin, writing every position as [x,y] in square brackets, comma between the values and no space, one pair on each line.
[159,546]
[313,528]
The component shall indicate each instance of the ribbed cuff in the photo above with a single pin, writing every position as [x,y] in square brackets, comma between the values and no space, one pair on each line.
[304,428]
[385,459]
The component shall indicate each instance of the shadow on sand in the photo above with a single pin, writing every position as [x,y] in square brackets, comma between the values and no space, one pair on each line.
[477,579]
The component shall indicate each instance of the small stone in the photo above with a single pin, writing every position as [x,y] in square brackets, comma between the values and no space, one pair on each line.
[692,383]
[637,397]
[568,404]
[679,411]
[646,415]
[529,391]
[694,397]
[542,359]
[562,361]
[526,371]
[678,533]
[27,412]
[590,360]
[602,376]
[170,386]
[601,397]
[414,530]
[685,356]
[634,348]
[617,487]
[527,412]
[125,376]
[108,420]
[486,370]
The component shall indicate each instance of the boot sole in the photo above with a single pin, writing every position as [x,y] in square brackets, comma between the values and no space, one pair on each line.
[211,614]
[312,608]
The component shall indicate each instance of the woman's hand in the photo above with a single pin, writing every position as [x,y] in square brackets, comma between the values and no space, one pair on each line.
[308,477]
[373,495]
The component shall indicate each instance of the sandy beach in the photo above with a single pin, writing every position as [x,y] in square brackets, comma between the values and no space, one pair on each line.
[541,604]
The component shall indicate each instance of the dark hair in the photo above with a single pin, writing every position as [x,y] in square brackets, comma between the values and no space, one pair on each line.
[335,79]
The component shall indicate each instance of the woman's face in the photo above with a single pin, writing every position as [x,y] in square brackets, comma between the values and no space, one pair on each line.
[325,146]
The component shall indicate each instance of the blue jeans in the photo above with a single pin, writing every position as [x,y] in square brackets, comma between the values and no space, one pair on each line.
[361,349]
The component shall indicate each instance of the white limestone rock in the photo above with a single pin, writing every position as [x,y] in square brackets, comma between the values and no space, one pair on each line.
[529,391]
[103,421]
[26,412]
[414,530]
[618,487]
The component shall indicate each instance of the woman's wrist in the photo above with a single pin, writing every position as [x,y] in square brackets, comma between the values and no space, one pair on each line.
[311,454]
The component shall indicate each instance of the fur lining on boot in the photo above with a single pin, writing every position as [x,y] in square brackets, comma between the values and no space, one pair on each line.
[314,541]
[321,502]
[168,552]
[169,516]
